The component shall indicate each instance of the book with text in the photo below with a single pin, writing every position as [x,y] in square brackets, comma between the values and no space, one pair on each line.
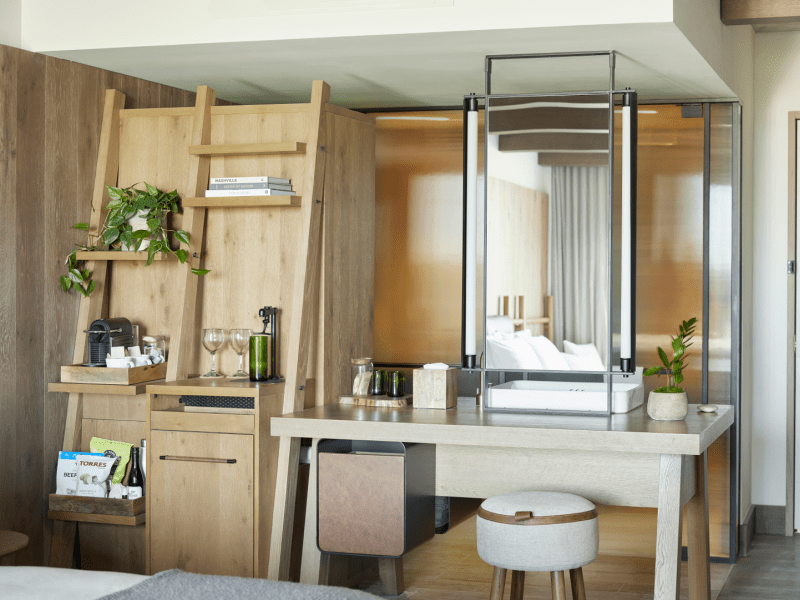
[256,192]
[278,180]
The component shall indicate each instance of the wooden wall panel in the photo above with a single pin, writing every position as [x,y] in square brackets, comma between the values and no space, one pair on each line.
[50,115]
[517,249]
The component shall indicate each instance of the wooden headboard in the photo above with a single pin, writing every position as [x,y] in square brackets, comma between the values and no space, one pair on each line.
[520,317]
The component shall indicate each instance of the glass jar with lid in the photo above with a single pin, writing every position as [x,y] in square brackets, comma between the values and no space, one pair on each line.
[360,375]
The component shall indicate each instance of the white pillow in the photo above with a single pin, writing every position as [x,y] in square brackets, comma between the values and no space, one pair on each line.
[577,362]
[548,354]
[510,353]
[499,324]
[588,352]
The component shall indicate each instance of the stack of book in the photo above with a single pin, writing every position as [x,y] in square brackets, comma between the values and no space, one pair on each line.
[220,187]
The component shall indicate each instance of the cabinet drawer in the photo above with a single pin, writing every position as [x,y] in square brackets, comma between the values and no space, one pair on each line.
[211,422]
[200,511]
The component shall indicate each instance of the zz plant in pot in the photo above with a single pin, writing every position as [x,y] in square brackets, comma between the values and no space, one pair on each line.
[135,220]
[669,402]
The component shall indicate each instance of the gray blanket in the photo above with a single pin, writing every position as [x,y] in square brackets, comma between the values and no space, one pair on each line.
[178,585]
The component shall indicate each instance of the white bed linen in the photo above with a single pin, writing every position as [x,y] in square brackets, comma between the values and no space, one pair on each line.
[46,583]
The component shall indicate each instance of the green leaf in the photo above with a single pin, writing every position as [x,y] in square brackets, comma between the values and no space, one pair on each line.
[82,226]
[66,283]
[678,378]
[137,244]
[663,356]
[115,193]
[85,274]
[173,194]
[153,224]
[652,371]
[151,190]
[174,207]
[140,234]
[75,276]
[151,252]
[182,236]
[91,287]
[110,235]
[200,271]
[181,254]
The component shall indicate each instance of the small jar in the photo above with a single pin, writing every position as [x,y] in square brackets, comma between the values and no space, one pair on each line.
[155,344]
[360,375]
[396,387]
[377,385]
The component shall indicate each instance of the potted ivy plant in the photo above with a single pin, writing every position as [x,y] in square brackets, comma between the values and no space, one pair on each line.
[135,220]
[669,402]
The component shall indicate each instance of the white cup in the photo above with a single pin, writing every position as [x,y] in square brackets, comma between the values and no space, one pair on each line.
[140,361]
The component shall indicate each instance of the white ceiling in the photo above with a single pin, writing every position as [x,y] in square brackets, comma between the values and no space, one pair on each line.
[424,69]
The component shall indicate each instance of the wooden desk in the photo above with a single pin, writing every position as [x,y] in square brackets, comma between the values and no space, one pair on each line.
[623,460]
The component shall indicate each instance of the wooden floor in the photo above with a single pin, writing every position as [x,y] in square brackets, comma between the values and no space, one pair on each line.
[771,571]
[449,568]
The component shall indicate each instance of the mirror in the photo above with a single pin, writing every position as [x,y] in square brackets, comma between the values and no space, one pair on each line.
[547,233]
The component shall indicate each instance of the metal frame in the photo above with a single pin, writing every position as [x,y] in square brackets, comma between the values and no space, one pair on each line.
[610,373]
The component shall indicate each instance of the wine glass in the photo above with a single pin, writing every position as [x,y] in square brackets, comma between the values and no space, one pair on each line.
[213,340]
[240,340]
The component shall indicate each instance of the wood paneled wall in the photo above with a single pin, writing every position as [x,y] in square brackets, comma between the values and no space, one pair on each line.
[50,115]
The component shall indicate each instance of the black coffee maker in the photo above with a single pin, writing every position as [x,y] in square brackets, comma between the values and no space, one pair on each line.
[105,334]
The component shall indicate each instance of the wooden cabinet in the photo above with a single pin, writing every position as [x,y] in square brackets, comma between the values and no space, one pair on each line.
[201,497]
[211,476]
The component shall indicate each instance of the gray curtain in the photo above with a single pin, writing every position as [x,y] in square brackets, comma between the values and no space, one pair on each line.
[578,256]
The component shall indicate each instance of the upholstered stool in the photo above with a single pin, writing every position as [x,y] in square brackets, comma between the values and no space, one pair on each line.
[537,531]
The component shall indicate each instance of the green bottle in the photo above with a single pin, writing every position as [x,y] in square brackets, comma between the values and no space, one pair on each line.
[260,356]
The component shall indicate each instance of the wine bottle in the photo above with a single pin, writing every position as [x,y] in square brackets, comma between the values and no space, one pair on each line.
[135,479]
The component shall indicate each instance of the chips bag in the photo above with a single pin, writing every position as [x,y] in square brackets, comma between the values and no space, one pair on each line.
[119,450]
[67,472]
[94,473]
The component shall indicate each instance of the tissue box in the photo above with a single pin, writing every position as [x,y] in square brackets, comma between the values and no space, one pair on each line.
[435,388]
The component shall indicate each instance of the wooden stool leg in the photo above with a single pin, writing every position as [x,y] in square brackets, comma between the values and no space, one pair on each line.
[517,584]
[498,584]
[576,580]
[558,584]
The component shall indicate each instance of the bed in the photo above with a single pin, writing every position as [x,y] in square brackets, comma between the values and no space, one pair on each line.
[511,345]
[46,583]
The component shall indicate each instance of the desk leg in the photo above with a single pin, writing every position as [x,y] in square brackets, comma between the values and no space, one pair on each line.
[697,521]
[314,568]
[668,538]
[280,552]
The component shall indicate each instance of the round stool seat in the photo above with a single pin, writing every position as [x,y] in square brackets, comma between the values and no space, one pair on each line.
[537,531]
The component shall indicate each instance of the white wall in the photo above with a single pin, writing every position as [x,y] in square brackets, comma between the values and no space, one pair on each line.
[520,168]
[80,24]
[777,91]
[11,23]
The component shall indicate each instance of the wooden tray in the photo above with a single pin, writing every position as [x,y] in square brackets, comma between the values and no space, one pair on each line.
[108,376]
[376,400]
[96,510]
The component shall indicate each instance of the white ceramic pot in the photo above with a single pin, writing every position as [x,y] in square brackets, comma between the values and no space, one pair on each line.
[667,407]
[139,221]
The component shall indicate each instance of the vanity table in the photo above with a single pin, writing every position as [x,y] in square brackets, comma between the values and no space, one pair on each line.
[623,460]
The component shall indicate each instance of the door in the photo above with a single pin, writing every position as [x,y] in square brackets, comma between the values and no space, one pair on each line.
[201,503]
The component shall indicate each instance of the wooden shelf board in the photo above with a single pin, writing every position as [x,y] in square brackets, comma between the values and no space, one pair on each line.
[198,386]
[242,201]
[248,149]
[96,506]
[120,255]
[58,515]
[100,388]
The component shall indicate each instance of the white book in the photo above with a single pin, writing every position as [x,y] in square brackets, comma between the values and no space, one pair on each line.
[257,192]
[249,186]
[279,180]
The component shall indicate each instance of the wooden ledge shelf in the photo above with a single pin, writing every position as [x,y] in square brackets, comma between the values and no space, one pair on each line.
[120,255]
[97,510]
[199,386]
[241,201]
[100,388]
[248,149]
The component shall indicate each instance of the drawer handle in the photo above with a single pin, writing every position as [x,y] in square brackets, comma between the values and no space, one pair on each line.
[229,461]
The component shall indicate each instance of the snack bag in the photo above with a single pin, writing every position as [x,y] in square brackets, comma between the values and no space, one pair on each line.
[67,472]
[119,450]
[94,472]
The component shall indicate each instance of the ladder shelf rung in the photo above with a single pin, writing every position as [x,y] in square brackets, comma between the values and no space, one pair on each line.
[241,201]
[248,149]
[119,255]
